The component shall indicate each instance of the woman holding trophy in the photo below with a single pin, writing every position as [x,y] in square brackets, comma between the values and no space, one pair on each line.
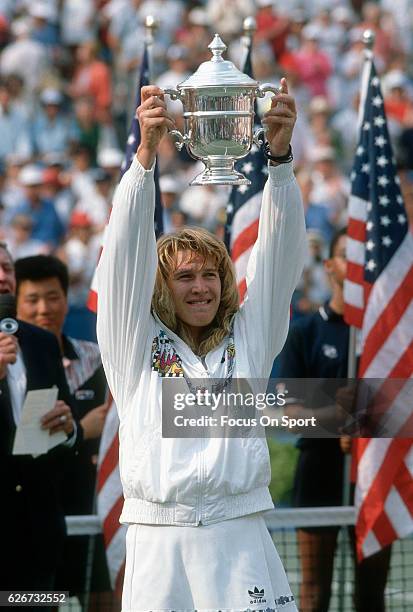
[196,538]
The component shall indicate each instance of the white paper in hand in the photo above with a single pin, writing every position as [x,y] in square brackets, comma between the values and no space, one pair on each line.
[30,438]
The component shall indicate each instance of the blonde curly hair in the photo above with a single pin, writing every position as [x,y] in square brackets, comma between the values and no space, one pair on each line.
[201,243]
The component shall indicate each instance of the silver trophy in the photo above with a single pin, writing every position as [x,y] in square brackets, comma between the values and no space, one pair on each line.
[218,101]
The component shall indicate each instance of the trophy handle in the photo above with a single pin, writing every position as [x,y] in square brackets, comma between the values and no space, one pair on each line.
[264,88]
[174,94]
[182,139]
[259,137]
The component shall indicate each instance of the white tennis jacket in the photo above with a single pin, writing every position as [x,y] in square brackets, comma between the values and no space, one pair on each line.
[197,480]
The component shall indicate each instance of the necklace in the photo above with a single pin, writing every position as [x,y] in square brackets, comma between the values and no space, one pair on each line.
[217,385]
[168,364]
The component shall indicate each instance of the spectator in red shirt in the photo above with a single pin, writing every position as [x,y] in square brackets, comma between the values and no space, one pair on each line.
[92,78]
[312,65]
[272,28]
[398,103]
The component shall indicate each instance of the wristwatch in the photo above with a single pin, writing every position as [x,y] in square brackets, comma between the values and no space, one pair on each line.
[282,159]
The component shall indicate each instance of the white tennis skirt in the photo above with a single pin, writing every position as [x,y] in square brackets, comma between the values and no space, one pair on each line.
[230,566]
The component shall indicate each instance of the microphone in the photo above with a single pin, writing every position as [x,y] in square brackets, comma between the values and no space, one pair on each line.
[8,323]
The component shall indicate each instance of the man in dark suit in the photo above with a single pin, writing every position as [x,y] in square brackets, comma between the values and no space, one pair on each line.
[32,526]
[42,283]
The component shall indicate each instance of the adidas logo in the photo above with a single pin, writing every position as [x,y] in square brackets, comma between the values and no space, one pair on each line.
[257,596]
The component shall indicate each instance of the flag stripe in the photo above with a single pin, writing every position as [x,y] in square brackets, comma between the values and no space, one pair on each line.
[109,463]
[387,321]
[406,494]
[242,289]
[116,551]
[382,483]
[111,522]
[357,227]
[356,314]
[355,291]
[370,458]
[388,283]
[244,206]
[355,253]
[92,300]
[358,216]
[384,530]
[245,241]
[392,348]
[402,368]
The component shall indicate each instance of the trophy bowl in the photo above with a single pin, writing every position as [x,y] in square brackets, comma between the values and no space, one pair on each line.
[218,102]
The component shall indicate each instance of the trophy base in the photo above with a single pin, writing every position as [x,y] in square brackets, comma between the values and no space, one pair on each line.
[220,172]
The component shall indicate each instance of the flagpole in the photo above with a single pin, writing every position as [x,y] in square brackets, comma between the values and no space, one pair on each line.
[151,26]
[249,27]
[368,39]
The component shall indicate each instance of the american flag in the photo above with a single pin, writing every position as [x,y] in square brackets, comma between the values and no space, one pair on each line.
[378,295]
[109,487]
[244,206]
[110,499]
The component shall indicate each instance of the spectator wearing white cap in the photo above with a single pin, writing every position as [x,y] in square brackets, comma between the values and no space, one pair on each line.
[169,14]
[77,23]
[322,132]
[170,188]
[97,203]
[14,134]
[398,97]
[47,227]
[330,187]
[19,241]
[202,204]
[332,35]
[24,56]
[177,57]
[227,17]
[196,35]
[51,131]
[111,159]
[402,13]
[11,189]
[44,26]
[350,67]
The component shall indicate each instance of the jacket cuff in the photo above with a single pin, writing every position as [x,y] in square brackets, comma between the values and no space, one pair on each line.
[138,175]
[281,174]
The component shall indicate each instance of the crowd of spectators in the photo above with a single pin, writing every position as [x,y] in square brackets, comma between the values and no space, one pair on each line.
[68,74]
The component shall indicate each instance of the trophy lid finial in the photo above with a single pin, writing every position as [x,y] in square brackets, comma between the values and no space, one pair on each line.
[369,38]
[217,46]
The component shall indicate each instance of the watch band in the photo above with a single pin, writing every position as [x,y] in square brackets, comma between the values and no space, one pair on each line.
[281,159]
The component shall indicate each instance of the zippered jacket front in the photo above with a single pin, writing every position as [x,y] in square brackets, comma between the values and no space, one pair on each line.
[187,481]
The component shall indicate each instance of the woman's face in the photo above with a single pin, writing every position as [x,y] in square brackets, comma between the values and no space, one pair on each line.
[195,288]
